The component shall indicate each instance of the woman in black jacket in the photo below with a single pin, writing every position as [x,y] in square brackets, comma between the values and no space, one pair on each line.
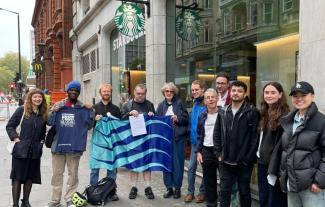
[273,107]
[27,151]
[174,107]
[302,170]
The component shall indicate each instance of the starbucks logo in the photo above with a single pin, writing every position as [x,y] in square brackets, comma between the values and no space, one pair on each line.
[129,19]
[188,25]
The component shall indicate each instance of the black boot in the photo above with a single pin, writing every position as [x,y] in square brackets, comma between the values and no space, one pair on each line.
[177,193]
[25,203]
[168,193]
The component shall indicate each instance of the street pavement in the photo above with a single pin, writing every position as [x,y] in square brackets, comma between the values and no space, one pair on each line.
[41,194]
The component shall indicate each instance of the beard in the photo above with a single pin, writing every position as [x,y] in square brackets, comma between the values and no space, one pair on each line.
[106,98]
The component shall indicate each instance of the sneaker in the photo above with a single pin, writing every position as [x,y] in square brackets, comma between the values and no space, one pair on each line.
[53,204]
[149,194]
[189,198]
[168,193]
[70,204]
[199,198]
[133,193]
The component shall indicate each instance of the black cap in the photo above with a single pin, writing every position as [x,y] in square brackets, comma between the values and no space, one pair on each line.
[302,87]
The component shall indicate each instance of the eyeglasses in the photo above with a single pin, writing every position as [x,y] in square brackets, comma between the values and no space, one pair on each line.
[221,83]
[168,91]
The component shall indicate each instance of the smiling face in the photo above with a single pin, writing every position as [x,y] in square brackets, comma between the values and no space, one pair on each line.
[210,100]
[169,94]
[271,95]
[73,94]
[37,99]
[106,93]
[302,101]
[197,91]
[222,85]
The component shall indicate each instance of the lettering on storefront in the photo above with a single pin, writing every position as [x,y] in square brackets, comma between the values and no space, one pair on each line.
[188,25]
[129,19]
[123,40]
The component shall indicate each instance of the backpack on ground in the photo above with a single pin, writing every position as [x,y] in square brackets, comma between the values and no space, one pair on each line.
[99,193]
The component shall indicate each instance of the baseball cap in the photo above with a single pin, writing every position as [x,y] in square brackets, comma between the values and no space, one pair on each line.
[303,87]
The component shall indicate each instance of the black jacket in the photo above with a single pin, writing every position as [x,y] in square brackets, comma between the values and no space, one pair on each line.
[303,155]
[201,130]
[32,132]
[235,138]
[180,127]
[102,109]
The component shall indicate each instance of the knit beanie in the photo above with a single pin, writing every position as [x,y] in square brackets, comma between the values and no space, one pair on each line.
[74,84]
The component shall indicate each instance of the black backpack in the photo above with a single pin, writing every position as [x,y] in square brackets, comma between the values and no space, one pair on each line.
[99,193]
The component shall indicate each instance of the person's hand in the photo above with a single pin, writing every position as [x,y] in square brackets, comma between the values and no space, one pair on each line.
[219,158]
[88,105]
[150,113]
[174,119]
[134,113]
[16,140]
[315,188]
[199,158]
[98,117]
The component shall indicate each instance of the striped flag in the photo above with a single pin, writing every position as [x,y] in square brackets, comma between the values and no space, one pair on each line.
[113,146]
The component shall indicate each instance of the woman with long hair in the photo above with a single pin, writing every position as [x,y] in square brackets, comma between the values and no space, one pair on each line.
[27,152]
[273,107]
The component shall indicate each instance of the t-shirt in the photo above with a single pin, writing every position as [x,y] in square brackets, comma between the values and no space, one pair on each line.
[209,127]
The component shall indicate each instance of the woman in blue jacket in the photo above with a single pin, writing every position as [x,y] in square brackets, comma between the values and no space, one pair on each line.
[174,107]
[27,152]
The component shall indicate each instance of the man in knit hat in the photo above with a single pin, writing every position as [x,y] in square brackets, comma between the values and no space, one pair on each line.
[71,119]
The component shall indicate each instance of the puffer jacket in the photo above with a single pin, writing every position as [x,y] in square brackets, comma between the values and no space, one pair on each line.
[31,136]
[303,155]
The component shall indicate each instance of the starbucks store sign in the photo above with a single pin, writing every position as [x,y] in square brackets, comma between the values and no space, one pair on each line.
[188,25]
[129,19]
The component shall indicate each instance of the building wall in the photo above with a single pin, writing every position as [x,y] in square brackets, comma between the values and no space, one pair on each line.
[312,47]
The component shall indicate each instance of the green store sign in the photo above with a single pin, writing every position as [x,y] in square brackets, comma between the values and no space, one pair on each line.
[129,19]
[188,25]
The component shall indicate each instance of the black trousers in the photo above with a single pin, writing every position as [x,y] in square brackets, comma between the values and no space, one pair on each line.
[210,165]
[229,174]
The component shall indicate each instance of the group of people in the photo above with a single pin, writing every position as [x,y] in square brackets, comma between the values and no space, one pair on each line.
[226,133]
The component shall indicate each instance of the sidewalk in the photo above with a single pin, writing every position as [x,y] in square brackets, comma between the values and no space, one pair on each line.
[41,194]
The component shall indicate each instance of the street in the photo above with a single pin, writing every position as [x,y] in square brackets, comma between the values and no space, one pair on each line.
[41,194]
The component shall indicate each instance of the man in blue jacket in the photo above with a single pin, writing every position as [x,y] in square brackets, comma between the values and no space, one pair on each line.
[71,120]
[197,89]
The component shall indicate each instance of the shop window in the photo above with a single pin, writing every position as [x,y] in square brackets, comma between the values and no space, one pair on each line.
[226,23]
[287,5]
[85,64]
[93,60]
[268,13]
[253,15]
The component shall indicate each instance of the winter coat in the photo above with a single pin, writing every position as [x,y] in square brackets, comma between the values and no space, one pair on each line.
[180,127]
[303,155]
[235,138]
[31,136]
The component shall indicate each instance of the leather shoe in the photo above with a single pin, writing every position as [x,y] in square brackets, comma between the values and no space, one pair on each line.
[177,193]
[199,198]
[25,203]
[114,197]
[189,198]
[168,193]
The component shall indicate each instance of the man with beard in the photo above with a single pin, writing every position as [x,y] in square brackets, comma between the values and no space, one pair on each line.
[222,87]
[236,141]
[102,109]
[139,105]
[72,120]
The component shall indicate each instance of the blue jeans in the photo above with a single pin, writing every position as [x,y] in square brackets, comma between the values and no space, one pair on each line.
[269,195]
[94,174]
[191,174]
[306,198]
[174,179]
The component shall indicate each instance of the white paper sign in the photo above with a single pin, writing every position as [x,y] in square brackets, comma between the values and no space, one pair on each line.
[138,125]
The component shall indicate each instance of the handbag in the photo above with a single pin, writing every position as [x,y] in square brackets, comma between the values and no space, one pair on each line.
[50,137]
[11,144]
